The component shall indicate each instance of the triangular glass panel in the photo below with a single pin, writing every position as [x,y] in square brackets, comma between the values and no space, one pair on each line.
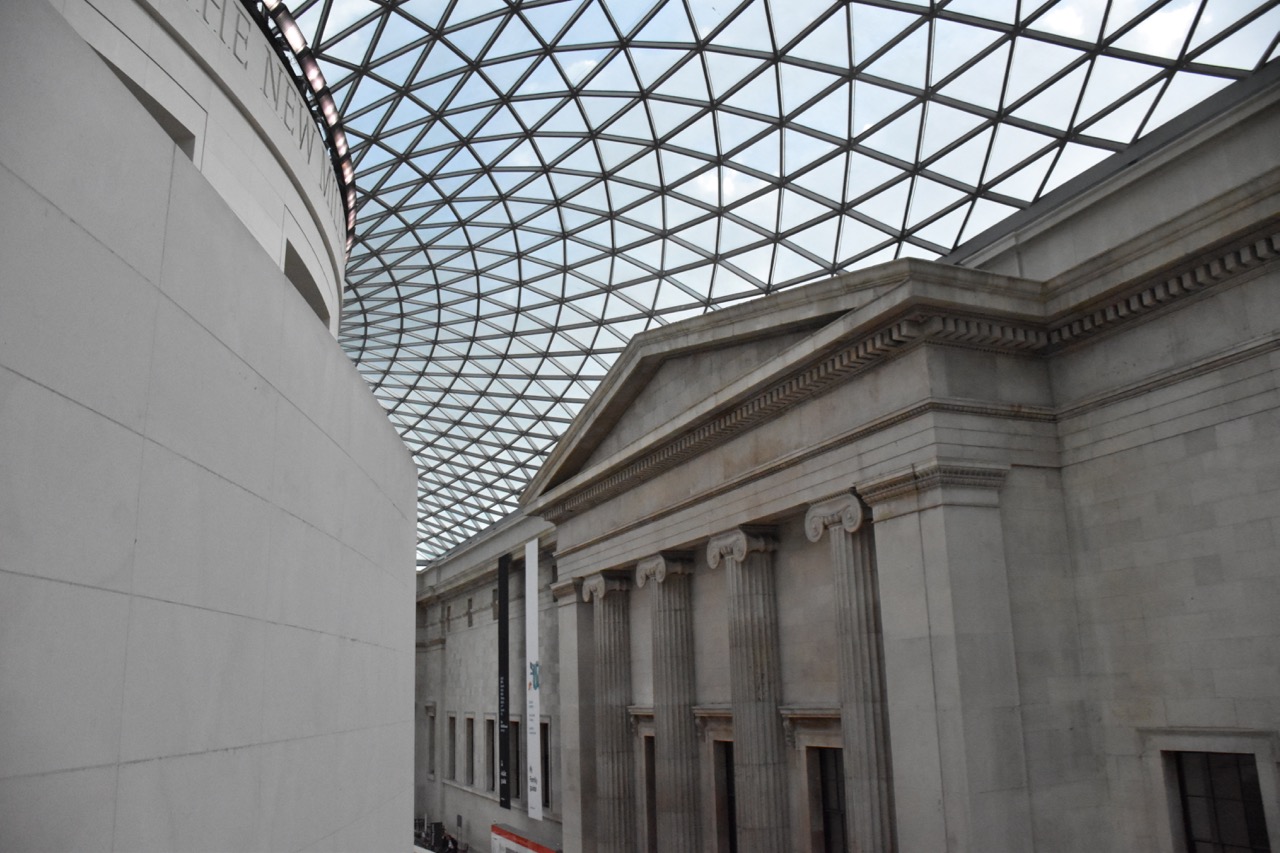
[687,83]
[888,206]
[1184,91]
[943,125]
[708,14]
[797,210]
[954,44]
[1248,47]
[900,137]
[736,129]
[856,237]
[1163,33]
[903,63]
[866,174]
[576,65]
[799,85]
[616,76]
[749,30]
[964,163]
[928,197]
[1055,105]
[790,267]
[548,20]
[591,27]
[1109,80]
[801,149]
[982,83]
[1034,62]
[819,239]
[726,70]
[1012,146]
[822,179]
[760,95]
[1077,19]
[829,43]
[503,75]
[1025,183]
[872,104]
[668,116]
[873,27]
[1122,123]
[652,62]
[671,24]
[470,40]
[829,115]
[626,13]
[763,156]
[1075,159]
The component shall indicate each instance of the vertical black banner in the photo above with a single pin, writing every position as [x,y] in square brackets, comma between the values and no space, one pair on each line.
[504,683]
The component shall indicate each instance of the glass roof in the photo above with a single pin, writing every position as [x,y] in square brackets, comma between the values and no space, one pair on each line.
[537,182]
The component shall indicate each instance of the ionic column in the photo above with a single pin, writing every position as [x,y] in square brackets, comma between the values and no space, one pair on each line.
[676,736]
[615,757]
[863,716]
[755,682]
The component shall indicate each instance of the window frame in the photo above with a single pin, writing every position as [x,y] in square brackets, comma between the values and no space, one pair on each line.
[1159,754]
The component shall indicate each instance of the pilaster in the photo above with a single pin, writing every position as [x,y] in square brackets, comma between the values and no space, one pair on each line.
[615,754]
[863,715]
[675,732]
[755,680]
[577,715]
[955,729]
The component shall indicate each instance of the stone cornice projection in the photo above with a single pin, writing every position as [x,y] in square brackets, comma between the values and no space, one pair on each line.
[931,475]
[1222,265]
[919,324]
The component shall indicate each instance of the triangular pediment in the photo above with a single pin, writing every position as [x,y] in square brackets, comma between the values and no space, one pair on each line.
[671,377]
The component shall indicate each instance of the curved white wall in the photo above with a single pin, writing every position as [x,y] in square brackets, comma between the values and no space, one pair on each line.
[206,521]
[209,67]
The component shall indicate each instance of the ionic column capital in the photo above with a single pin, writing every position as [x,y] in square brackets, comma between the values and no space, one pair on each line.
[844,511]
[738,542]
[599,585]
[657,567]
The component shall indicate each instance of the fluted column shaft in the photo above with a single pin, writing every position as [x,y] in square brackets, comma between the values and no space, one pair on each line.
[615,756]
[863,715]
[755,683]
[676,737]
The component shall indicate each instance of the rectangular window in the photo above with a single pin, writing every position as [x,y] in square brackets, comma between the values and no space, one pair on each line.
[471,750]
[448,615]
[1221,802]
[453,747]
[490,755]
[650,797]
[470,614]
[726,806]
[493,605]
[826,785]
[431,743]
[544,738]
[516,771]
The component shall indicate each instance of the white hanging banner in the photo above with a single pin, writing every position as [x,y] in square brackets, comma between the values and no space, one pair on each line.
[533,682]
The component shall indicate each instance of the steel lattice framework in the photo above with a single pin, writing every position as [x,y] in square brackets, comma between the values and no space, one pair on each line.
[539,181]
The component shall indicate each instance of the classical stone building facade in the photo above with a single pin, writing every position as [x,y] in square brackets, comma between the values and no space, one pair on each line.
[972,556]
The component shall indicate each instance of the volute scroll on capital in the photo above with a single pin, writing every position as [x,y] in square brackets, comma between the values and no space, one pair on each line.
[844,511]
[599,585]
[736,544]
[657,567]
